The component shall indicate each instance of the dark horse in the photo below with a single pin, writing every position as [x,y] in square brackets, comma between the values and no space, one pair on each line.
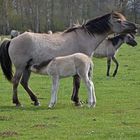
[42,47]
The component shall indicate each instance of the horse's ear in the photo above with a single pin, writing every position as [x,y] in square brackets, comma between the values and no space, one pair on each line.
[83,22]
[111,15]
[77,22]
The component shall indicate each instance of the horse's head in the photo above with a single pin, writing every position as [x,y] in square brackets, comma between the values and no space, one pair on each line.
[130,40]
[120,25]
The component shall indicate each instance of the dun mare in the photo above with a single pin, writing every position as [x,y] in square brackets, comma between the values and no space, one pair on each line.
[41,47]
[109,47]
[65,66]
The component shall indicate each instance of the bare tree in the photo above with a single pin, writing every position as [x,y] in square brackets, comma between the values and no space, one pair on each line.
[44,15]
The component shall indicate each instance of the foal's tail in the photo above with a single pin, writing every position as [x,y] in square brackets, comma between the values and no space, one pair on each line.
[90,73]
[5,60]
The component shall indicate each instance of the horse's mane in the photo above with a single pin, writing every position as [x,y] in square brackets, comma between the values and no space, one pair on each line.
[98,25]
[73,28]
[115,39]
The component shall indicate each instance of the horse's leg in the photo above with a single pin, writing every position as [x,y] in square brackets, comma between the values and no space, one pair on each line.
[108,65]
[91,91]
[55,83]
[24,83]
[76,86]
[15,81]
[117,65]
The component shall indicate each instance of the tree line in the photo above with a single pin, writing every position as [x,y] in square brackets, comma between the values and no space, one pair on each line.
[57,15]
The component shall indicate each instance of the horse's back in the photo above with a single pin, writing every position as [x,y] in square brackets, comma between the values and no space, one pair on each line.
[68,65]
[29,46]
[21,48]
[82,58]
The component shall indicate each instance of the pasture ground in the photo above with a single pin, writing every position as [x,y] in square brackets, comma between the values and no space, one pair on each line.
[116,116]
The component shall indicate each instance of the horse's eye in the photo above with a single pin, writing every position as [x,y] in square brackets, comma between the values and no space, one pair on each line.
[119,21]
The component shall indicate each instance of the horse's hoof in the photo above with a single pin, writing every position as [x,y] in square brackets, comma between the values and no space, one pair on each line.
[91,105]
[36,103]
[79,104]
[51,105]
[19,105]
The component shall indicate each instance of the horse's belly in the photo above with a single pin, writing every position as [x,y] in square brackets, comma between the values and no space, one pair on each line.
[67,71]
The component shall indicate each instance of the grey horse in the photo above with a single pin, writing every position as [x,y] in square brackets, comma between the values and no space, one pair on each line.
[40,47]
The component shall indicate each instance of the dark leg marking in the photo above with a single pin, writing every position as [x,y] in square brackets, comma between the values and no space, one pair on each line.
[108,66]
[117,65]
[24,83]
[76,86]
[15,81]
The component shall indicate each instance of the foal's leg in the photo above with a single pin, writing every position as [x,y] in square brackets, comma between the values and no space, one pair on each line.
[55,83]
[91,92]
[117,65]
[24,83]
[108,65]
[76,86]
[15,81]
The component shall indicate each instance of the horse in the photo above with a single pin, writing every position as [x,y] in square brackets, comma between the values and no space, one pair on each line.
[83,38]
[66,66]
[50,32]
[14,33]
[110,46]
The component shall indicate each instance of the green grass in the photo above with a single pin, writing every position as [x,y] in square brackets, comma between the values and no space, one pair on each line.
[116,116]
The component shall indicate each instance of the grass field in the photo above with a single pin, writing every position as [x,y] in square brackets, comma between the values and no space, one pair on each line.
[116,116]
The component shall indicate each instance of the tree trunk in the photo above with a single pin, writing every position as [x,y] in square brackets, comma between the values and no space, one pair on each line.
[6,28]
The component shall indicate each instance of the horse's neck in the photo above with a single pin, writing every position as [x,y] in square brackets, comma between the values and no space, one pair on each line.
[118,45]
[93,43]
[89,43]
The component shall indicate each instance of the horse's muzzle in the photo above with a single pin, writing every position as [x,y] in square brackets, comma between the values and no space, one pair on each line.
[131,27]
[132,43]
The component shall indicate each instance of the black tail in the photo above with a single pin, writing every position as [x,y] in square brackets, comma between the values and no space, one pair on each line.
[5,60]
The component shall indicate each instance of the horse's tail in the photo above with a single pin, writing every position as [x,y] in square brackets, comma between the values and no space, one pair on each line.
[90,73]
[5,60]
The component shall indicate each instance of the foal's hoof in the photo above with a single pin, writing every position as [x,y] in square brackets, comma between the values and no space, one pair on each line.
[91,105]
[51,105]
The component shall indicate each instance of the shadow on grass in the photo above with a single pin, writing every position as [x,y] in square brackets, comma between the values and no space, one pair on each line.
[38,108]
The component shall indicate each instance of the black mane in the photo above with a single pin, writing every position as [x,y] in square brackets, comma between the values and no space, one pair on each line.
[98,25]
[116,39]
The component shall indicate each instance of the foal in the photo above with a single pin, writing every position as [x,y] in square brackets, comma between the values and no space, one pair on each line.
[70,65]
[109,47]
